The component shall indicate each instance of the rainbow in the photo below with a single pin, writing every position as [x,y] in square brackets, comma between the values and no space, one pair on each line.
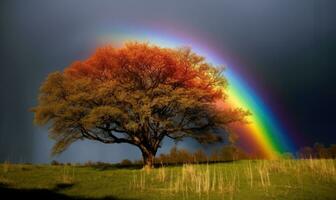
[263,135]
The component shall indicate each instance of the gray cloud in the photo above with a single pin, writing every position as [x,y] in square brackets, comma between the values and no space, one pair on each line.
[289,46]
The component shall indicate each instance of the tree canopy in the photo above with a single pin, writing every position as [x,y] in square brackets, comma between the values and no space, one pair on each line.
[136,94]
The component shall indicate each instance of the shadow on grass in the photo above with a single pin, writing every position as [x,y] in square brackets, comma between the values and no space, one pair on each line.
[107,166]
[63,186]
[52,194]
[116,166]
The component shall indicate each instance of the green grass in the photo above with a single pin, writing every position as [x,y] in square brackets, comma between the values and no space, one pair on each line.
[278,179]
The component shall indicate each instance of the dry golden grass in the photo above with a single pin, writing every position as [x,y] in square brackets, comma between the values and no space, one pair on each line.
[208,178]
[250,179]
[6,166]
[68,175]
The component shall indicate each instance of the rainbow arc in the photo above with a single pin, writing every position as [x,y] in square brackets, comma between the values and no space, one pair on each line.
[263,135]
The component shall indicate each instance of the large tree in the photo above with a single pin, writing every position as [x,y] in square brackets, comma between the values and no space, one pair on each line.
[137,94]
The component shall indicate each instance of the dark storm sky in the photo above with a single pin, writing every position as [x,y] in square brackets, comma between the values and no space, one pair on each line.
[290,45]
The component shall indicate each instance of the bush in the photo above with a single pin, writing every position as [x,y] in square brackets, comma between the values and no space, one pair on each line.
[55,163]
[200,156]
[89,163]
[126,162]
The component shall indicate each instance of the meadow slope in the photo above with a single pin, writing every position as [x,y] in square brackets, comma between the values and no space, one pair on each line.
[258,179]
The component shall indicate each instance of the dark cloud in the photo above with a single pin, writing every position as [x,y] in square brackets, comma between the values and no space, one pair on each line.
[289,46]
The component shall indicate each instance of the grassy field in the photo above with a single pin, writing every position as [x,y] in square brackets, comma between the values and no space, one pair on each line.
[277,179]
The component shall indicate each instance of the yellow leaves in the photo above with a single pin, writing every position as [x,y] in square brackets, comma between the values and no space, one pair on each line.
[102,115]
[132,126]
[53,88]
[42,115]
[53,81]
[63,142]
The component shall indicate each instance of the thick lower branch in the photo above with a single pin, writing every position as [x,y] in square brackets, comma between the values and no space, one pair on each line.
[112,139]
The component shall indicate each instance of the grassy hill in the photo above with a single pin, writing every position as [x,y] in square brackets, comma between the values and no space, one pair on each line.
[255,179]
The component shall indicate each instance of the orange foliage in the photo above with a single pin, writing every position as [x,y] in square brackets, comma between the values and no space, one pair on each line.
[147,66]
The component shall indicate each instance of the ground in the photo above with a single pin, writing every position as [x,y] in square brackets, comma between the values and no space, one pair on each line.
[255,179]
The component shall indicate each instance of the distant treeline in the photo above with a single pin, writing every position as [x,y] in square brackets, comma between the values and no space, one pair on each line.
[232,153]
[225,153]
[317,151]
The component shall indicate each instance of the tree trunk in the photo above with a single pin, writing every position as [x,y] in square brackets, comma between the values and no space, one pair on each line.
[148,157]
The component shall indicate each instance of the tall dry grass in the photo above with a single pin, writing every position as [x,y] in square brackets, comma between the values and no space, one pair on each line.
[6,166]
[228,179]
[67,176]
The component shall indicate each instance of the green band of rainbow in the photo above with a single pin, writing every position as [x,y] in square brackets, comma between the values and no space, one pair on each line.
[262,133]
